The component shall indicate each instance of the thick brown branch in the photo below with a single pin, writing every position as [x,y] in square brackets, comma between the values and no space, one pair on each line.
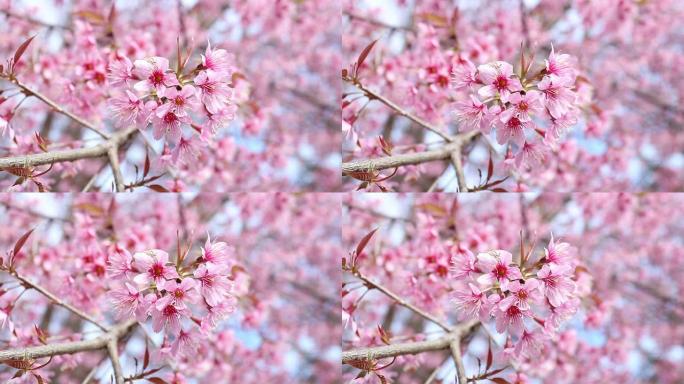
[99,150]
[443,153]
[442,343]
[68,348]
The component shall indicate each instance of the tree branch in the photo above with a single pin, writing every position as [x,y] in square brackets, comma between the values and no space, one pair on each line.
[68,348]
[29,284]
[375,96]
[443,153]
[458,169]
[68,155]
[412,348]
[455,347]
[113,155]
[401,301]
[116,364]
[30,92]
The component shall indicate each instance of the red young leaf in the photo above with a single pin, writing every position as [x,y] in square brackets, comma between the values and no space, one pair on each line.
[146,358]
[22,48]
[157,188]
[146,167]
[156,380]
[364,241]
[490,357]
[490,168]
[500,380]
[22,240]
[363,55]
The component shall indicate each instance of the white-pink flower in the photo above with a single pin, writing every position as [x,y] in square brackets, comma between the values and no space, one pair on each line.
[556,283]
[214,91]
[498,79]
[529,345]
[178,294]
[213,286]
[530,155]
[511,128]
[558,96]
[168,317]
[218,61]
[167,122]
[218,254]
[464,75]
[128,110]
[558,253]
[153,267]
[462,264]
[473,114]
[155,75]
[524,106]
[472,302]
[119,264]
[521,295]
[497,267]
[120,73]
[561,65]
[128,301]
[511,319]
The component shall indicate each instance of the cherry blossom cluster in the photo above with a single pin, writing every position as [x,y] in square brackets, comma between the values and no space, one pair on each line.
[529,299]
[148,91]
[185,302]
[529,110]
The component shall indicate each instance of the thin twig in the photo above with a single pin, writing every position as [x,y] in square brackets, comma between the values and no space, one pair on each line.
[375,96]
[113,154]
[31,92]
[29,284]
[455,347]
[116,364]
[401,301]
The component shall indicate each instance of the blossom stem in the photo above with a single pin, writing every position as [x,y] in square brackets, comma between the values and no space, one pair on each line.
[31,92]
[401,301]
[375,96]
[29,284]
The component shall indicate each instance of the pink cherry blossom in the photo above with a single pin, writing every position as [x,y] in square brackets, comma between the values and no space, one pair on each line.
[154,267]
[121,73]
[511,128]
[214,92]
[213,286]
[521,295]
[128,301]
[177,294]
[473,115]
[529,345]
[557,286]
[167,122]
[218,61]
[472,302]
[462,264]
[128,110]
[155,74]
[217,254]
[497,267]
[168,317]
[510,319]
[557,95]
[561,65]
[558,252]
[498,79]
[525,106]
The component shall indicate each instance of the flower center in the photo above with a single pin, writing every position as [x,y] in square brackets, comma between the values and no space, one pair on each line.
[513,311]
[170,118]
[514,123]
[522,106]
[501,82]
[178,294]
[180,101]
[169,310]
[157,77]
[500,271]
[522,294]
[157,271]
